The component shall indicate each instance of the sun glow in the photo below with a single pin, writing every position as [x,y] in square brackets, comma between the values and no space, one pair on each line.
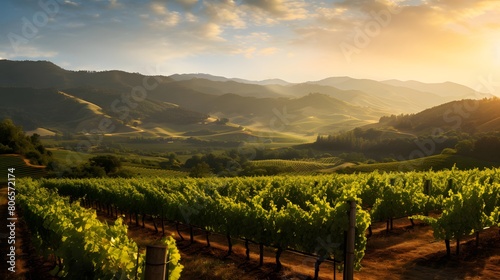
[385,39]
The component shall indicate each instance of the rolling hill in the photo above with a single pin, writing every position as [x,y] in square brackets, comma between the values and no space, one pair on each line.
[83,109]
[467,127]
[49,108]
[40,94]
[401,98]
[470,116]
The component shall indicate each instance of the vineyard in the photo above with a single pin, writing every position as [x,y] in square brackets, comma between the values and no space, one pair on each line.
[81,245]
[308,214]
[150,172]
[296,167]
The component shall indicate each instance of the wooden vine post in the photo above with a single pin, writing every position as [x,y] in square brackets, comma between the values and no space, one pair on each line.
[427,191]
[156,262]
[351,234]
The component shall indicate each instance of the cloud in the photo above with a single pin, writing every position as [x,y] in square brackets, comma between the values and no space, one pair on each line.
[252,37]
[28,51]
[114,4]
[334,18]
[253,44]
[268,51]
[224,12]
[159,9]
[211,31]
[71,3]
[189,17]
[280,9]
[461,5]
[439,25]
[246,52]
[250,52]
[444,38]
[422,35]
[164,16]
[187,4]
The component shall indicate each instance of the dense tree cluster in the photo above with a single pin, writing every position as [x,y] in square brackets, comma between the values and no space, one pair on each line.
[485,147]
[374,144]
[95,167]
[402,121]
[236,162]
[13,140]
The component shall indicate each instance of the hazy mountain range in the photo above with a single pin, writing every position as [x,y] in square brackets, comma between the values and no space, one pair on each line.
[40,94]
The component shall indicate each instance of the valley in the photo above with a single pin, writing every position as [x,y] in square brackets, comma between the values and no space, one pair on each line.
[289,155]
[250,140]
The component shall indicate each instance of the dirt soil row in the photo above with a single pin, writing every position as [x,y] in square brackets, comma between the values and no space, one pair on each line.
[406,252]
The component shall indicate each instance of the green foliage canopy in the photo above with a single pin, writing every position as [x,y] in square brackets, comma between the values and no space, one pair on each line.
[13,140]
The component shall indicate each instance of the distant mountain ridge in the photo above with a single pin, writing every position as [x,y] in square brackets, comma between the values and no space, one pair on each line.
[445,89]
[42,94]
[392,95]
[184,77]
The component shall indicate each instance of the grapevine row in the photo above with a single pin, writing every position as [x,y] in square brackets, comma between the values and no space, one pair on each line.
[268,212]
[306,213]
[84,247]
[466,212]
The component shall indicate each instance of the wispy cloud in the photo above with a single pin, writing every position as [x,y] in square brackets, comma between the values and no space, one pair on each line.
[268,51]
[164,17]
[187,4]
[280,9]
[224,13]
[71,3]
[210,31]
[114,4]
[413,37]
[29,52]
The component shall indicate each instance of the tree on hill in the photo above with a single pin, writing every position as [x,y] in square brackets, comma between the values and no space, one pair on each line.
[200,170]
[13,140]
[96,167]
[109,163]
[465,147]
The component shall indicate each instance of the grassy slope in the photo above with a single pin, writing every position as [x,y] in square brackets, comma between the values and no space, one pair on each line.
[69,156]
[21,169]
[436,162]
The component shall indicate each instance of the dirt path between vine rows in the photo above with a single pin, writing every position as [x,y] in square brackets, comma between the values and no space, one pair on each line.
[406,252]
[403,253]
[28,265]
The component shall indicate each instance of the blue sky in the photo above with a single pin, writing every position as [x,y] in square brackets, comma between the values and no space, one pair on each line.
[430,41]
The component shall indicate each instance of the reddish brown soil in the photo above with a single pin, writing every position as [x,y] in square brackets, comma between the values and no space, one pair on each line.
[404,253]
[28,264]
[413,253]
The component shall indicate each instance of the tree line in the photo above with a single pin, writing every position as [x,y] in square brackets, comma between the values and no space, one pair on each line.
[372,143]
[13,140]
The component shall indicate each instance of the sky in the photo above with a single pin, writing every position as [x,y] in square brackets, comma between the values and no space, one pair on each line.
[425,40]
